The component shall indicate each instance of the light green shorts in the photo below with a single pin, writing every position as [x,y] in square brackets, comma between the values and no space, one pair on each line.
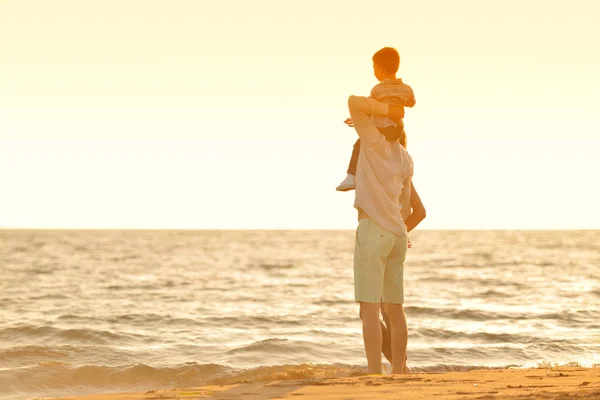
[378,264]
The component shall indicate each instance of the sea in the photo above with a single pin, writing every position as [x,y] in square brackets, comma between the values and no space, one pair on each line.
[98,311]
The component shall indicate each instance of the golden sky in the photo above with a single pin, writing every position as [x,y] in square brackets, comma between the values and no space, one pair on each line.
[228,114]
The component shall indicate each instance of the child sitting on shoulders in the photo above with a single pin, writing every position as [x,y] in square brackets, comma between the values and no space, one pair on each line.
[391,90]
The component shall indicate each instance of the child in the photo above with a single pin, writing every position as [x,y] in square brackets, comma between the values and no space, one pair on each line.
[390,89]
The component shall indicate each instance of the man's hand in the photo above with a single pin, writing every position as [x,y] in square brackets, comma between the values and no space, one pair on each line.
[348,121]
[395,112]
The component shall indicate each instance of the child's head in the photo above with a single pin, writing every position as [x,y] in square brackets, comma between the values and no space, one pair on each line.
[386,63]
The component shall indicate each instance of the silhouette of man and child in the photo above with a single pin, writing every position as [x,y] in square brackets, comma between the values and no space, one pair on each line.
[380,172]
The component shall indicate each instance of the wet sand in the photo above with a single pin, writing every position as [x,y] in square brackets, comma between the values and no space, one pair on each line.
[556,383]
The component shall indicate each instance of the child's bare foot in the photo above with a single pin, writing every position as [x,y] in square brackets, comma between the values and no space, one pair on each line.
[348,184]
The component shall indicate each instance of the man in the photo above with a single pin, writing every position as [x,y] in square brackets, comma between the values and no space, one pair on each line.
[383,183]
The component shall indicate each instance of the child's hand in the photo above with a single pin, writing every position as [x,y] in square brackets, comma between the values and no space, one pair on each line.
[409,244]
[348,121]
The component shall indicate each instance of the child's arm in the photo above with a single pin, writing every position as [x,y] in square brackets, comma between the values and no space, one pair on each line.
[407,96]
[402,92]
[410,101]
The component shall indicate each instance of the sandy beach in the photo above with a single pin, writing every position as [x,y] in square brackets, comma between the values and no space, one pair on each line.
[556,383]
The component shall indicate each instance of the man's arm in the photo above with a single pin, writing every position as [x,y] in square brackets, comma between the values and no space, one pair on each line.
[367,105]
[418,210]
[361,108]
[405,195]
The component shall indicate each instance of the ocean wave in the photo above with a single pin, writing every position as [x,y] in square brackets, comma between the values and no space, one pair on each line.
[464,314]
[290,372]
[571,316]
[58,378]
[79,318]
[474,281]
[152,318]
[477,337]
[50,296]
[254,320]
[491,293]
[439,368]
[31,334]
[568,316]
[276,345]
[327,302]
[275,266]
[30,353]
[20,356]
[62,379]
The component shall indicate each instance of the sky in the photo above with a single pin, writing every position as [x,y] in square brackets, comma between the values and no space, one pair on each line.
[229,114]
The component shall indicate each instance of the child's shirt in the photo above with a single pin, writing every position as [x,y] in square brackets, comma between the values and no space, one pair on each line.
[392,91]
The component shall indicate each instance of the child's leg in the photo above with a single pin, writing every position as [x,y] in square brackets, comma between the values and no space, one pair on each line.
[350,183]
[354,158]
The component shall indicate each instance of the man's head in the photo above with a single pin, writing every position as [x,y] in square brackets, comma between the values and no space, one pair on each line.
[386,63]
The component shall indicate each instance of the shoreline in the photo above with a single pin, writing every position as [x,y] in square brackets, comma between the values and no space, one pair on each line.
[532,383]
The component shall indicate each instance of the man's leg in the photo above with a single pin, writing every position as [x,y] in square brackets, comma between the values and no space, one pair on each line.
[372,246]
[386,333]
[399,337]
[371,329]
[393,297]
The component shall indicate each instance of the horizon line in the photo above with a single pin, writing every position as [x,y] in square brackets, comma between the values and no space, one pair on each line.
[278,229]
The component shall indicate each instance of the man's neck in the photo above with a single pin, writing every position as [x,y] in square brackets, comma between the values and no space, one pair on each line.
[387,77]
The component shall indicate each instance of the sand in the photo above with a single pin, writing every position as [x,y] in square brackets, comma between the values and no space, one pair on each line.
[556,383]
